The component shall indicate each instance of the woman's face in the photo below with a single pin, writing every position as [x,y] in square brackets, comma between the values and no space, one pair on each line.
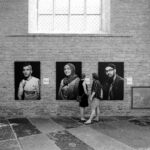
[67,70]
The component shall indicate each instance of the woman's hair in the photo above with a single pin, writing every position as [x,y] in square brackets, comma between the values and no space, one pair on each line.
[72,67]
[83,76]
[95,76]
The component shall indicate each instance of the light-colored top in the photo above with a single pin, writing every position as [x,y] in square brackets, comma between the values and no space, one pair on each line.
[29,88]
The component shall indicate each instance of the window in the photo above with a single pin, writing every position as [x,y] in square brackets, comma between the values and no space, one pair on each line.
[69,16]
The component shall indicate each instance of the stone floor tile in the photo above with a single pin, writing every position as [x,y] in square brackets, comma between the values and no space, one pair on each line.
[125,132]
[98,140]
[144,121]
[22,127]
[5,130]
[46,125]
[67,122]
[37,142]
[4,121]
[9,145]
[66,141]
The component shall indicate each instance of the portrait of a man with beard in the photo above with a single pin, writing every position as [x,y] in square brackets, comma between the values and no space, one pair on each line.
[113,85]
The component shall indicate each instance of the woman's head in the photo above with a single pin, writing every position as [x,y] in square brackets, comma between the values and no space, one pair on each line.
[95,76]
[69,69]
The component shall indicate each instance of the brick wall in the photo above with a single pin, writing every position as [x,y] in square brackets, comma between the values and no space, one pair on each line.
[128,43]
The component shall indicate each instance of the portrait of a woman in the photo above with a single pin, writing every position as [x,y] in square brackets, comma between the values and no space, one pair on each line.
[68,89]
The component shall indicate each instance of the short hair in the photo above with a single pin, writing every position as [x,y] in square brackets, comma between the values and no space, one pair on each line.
[27,64]
[95,76]
[111,65]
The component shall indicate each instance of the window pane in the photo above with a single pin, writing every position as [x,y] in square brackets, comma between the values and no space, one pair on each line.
[61,6]
[93,23]
[61,23]
[77,23]
[77,6]
[93,6]
[45,24]
[45,6]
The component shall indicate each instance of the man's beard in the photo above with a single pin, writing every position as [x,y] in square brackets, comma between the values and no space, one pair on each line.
[110,79]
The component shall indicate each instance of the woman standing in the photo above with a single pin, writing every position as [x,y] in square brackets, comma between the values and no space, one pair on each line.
[96,96]
[83,96]
[68,89]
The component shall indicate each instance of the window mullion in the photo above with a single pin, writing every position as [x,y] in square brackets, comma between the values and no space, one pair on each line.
[69,14]
[85,15]
[101,15]
[37,21]
[53,28]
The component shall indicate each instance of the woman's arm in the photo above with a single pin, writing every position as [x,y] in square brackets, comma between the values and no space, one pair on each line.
[84,87]
[101,94]
[92,95]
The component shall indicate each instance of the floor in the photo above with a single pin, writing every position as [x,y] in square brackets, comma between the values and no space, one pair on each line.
[68,133]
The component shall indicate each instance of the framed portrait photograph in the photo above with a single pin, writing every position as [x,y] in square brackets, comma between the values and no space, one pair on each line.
[111,76]
[67,80]
[27,80]
[140,97]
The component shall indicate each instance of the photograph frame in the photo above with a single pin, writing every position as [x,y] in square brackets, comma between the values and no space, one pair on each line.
[59,76]
[18,76]
[103,78]
[132,97]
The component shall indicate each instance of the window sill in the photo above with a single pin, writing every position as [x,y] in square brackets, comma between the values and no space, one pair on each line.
[72,35]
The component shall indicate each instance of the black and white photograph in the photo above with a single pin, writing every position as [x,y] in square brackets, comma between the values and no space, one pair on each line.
[75,74]
[27,80]
[140,97]
[111,75]
[67,80]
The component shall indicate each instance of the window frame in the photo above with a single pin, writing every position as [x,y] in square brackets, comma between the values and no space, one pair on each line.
[33,19]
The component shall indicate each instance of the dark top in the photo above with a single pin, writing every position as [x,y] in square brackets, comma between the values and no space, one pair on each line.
[96,87]
[81,89]
[84,98]
[114,90]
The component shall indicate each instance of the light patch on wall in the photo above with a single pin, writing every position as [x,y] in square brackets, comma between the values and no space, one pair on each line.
[46,81]
[129,81]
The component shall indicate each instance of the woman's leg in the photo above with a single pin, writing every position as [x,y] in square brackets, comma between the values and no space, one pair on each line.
[97,110]
[91,117]
[82,110]
[98,113]
[93,112]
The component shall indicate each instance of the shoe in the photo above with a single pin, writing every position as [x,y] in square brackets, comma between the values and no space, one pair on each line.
[82,120]
[96,120]
[88,122]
